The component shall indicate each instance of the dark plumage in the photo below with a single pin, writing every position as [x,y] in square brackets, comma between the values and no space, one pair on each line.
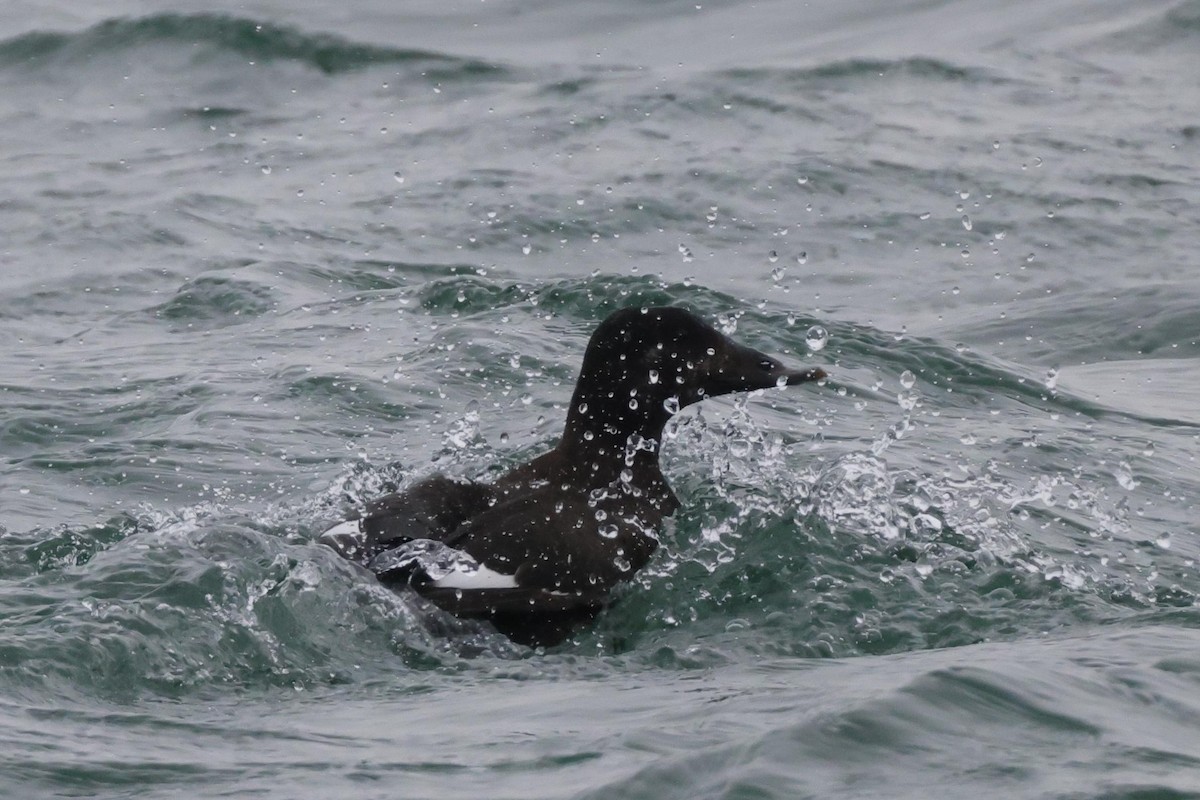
[537,551]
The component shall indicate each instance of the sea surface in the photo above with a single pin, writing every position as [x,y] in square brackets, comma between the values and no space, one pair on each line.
[262,261]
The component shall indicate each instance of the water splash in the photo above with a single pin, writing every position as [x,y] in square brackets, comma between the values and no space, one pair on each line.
[816,338]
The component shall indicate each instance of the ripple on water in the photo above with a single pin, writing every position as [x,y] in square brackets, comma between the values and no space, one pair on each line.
[211,302]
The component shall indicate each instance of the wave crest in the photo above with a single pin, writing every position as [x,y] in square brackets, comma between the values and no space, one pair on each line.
[257,41]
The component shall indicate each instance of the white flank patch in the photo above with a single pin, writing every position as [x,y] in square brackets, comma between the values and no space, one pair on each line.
[477,578]
[350,527]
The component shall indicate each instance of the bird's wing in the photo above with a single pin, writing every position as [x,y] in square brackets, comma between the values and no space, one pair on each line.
[550,540]
[432,508]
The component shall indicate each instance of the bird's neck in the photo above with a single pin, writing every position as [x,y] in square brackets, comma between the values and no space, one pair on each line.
[597,452]
[610,434]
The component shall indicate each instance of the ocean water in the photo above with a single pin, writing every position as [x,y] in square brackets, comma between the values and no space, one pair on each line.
[264,261]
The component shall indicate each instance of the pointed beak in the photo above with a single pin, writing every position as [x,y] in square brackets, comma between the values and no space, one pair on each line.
[791,377]
[743,369]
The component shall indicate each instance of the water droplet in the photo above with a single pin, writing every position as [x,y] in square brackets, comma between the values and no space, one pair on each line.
[1164,541]
[907,379]
[526,249]
[398,176]
[1052,379]
[772,256]
[802,258]
[1124,476]
[266,169]
[777,274]
[608,531]
[803,179]
[24,490]
[966,222]
[816,338]
[925,215]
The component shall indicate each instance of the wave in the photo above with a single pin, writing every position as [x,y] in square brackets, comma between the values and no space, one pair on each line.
[253,40]
[931,69]
[1178,25]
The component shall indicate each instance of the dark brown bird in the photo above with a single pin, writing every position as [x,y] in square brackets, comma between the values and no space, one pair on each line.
[537,552]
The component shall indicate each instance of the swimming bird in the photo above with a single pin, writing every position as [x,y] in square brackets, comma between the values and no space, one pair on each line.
[538,551]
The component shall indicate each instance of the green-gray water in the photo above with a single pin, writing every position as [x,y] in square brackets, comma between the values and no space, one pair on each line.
[259,265]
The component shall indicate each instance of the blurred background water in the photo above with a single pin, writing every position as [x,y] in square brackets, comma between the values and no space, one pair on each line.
[264,261]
